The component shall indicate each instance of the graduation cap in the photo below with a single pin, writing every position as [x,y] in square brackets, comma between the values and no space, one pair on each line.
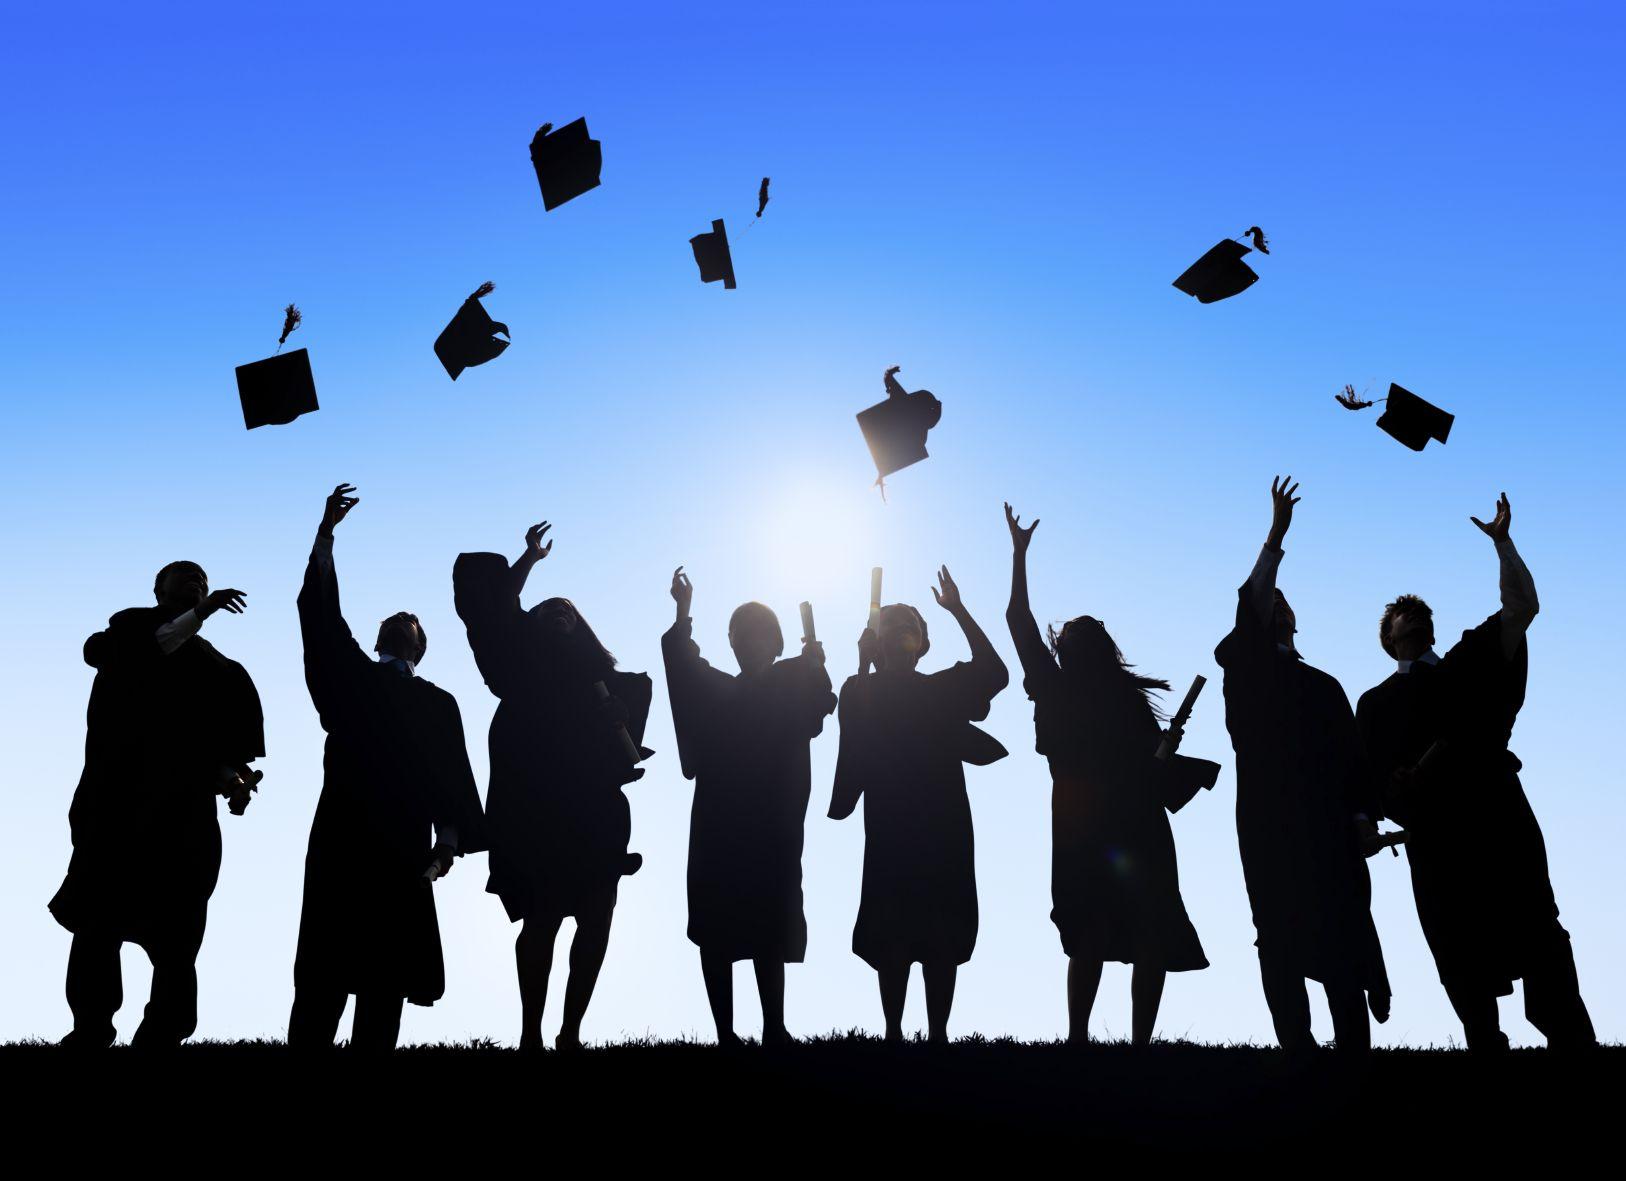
[471,338]
[896,428]
[1406,418]
[280,388]
[711,252]
[567,162]
[1221,273]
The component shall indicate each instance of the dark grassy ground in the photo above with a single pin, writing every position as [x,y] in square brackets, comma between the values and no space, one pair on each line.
[840,1095]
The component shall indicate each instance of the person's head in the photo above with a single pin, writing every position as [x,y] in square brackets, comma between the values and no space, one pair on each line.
[403,637]
[1406,630]
[754,634]
[561,621]
[1086,651]
[1284,625]
[902,635]
[180,584]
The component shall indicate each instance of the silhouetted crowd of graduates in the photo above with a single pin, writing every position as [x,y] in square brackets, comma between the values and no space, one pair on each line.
[174,725]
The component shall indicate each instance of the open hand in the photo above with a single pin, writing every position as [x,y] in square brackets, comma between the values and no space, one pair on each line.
[225,599]
[534,549]
[1282,500]
[339,503]
[1500,523]
[946,593]
[1020,537]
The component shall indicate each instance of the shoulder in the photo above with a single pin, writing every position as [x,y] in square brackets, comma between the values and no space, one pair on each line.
[1378,693]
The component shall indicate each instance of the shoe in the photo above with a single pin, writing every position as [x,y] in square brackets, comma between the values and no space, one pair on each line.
[79,1039]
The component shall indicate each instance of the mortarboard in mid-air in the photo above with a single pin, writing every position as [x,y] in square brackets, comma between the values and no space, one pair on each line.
[712,253]
[280,388]
[1406,418]
[471,338]
[1221,273]
[567,162]
[895,429]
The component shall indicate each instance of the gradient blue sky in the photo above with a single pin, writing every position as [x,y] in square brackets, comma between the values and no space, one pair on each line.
[995,197]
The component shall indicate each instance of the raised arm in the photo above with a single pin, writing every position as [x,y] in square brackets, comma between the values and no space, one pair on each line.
[992,675]
[1519,602]
[321,622]
[535,551]
[1030,646]
[1261,584]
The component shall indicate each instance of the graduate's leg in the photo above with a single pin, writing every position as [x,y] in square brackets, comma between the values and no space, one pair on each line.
[95,988]
[533,956]
[1289,1001]
[313,1023]
[1351,1024]
[1481,1020]
[586,958]
[771,989]
[1145,995]
[718,971]
[376,1026]
[940,980]
[894,980]
[1552,994]
[171,1015]
[1083,982]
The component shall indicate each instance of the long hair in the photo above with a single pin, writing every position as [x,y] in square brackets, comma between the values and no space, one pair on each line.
[584,640]
[1088,656]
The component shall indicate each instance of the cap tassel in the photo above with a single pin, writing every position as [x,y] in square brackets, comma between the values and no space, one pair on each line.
[483,290]
[762,196]
[1259,242]
[1349,401]
[291,319]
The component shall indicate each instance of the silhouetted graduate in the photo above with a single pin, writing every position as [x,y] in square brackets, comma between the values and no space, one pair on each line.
[712,255]
[1221,273]
[1437,733]
[395,768]
[905,736]
[1304,797]
[1406,418]
[567,162]
[896,429]
[280,388]
[1114,880]
[744,741]
[172,725]
[557,820]
[472,336]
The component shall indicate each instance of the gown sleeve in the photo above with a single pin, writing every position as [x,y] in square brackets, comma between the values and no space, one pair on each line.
[850,760]
[333,659]
[490,611]
[690,681]
[457,801]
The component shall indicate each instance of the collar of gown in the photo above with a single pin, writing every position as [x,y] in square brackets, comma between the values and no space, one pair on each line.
[1429,657]
[398,662]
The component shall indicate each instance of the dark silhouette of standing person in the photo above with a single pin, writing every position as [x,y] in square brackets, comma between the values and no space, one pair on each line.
[394,770]
[172,724]
[557,820]
[1301,782]
[905,736]
[1114,880]
[744,741]
[1437,732]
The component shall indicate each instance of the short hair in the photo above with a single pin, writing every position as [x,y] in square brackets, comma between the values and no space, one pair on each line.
[158,579]
[406,617]
[920,621]
[1404,605]
[753,612]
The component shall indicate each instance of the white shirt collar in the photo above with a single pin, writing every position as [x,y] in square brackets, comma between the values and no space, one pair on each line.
[386,658]
[1429,657]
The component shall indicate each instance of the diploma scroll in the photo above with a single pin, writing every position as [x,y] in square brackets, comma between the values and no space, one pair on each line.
[808,634]
[875,600]
[1170,741]
[627,744]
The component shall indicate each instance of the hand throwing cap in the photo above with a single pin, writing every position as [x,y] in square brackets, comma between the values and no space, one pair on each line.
[567,162]
[471,338]
[711,252]
[280,388]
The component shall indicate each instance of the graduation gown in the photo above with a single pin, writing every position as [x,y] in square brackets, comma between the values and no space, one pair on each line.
[394,768]
[146,840]
[1478,861]
[1114,880]
[904,738]
[744,742]
[556,817]
[1301,776]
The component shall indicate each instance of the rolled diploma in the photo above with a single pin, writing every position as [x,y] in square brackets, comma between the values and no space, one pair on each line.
[627,744]
[1165,747]
[808,636]
[875,599]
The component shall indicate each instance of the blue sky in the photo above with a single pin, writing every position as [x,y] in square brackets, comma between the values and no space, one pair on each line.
[995,198]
